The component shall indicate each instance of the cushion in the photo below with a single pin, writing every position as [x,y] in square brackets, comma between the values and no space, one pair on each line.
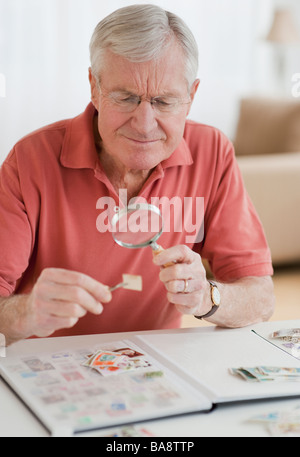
[268,126]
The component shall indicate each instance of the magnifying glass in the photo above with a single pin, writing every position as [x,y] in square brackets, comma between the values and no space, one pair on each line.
[137,226]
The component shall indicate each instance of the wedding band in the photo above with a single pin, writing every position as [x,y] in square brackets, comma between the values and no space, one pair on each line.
[186,285]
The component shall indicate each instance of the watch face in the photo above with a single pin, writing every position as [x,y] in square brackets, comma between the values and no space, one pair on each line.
[216,295]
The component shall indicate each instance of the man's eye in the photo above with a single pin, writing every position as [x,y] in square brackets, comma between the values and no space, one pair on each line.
[163,102]
[129,99]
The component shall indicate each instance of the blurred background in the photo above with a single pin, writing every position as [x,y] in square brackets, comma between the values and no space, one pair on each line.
[44,57]
[249,53]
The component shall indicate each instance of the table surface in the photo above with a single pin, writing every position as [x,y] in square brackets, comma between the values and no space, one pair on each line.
[225,420]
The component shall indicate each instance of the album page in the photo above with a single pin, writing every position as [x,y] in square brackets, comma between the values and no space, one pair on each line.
[209,357]
[104,385]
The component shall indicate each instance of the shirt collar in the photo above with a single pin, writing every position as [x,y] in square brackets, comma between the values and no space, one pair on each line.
[181,156]
[79,150]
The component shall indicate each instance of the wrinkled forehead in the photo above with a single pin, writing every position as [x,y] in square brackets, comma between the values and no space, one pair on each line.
[163,75]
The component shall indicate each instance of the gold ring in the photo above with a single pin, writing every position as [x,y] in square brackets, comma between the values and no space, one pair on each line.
[186,285]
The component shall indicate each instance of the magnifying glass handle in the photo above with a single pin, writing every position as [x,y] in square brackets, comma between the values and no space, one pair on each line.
[156,250]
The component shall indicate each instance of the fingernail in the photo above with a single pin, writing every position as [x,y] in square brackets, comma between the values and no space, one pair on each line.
[108,296]
[99,308]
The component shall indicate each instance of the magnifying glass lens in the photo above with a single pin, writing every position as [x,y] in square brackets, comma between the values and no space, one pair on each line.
[137,227]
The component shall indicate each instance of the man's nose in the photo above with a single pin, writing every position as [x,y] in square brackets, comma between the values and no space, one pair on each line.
[144,118]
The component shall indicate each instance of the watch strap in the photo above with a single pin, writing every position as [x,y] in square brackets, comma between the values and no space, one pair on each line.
[210,313]
[214,307]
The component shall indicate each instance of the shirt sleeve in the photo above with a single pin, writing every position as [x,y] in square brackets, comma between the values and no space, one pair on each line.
[15,233]
[234,242]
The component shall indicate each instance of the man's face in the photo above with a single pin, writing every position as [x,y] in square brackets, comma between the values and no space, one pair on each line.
[144,137]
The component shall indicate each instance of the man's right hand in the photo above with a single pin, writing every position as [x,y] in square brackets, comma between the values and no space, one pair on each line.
[59,299]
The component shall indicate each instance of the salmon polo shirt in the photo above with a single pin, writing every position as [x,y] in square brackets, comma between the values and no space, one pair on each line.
[54,200]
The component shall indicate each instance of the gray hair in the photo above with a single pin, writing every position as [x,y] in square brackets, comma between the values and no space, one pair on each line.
[141,33]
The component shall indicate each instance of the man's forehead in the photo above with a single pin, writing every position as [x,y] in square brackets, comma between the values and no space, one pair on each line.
[165,75]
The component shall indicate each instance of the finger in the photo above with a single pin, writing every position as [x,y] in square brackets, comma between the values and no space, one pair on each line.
[61,300]
[175,254]
[187,303]
[60,308]
[183,309]
[183,286]
[179,271]
[52,324]
[98,291]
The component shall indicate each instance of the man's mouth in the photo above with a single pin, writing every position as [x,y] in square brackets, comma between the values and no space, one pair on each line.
[142,141]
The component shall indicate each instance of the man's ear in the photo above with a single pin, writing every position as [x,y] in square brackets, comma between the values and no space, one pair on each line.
[193,91]
[94,89]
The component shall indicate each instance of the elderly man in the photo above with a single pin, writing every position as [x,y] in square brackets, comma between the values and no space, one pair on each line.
[133,140]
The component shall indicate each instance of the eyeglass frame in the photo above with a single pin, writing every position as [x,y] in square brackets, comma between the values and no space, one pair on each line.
[169,108]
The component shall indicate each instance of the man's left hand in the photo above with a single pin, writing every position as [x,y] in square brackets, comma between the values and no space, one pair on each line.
[185,280]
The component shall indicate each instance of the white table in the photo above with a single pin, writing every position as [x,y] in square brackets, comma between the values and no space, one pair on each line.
[225,420]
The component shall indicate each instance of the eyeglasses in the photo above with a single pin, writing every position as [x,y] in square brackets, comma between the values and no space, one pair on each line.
[127,102]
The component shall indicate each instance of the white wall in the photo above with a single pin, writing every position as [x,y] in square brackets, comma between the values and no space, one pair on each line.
[44,58]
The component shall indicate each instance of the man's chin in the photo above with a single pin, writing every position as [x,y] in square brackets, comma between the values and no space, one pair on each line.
[143,160]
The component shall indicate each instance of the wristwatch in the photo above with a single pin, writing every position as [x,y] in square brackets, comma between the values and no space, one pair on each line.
[215,298]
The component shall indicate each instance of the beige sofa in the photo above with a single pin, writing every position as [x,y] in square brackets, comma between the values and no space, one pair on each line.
[267,144]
